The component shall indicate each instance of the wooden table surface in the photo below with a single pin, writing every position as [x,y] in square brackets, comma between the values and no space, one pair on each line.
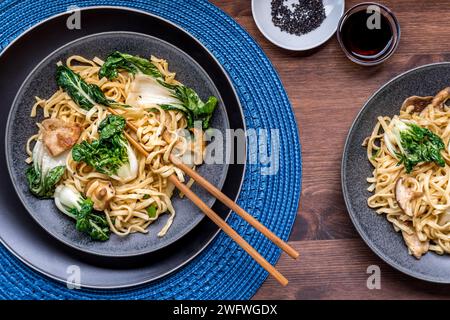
[334,259]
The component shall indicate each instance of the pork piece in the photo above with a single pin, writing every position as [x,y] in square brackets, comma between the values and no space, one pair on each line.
[415,246]
[59,135]
[405,194]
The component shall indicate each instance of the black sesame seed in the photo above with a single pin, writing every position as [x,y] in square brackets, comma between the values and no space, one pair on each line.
[302,18]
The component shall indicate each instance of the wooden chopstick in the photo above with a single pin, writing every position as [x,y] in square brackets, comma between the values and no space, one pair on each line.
[228,230]
[213,216]
[217,219]
[235,207]
[227,201]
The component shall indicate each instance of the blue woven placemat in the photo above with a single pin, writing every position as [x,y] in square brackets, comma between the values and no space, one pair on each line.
[223,270]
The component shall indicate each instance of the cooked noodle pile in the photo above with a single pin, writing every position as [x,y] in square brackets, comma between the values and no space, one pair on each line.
[410,180]
[127,210]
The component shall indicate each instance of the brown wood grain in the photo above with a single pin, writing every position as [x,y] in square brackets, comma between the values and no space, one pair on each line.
[323,83]
[337,269]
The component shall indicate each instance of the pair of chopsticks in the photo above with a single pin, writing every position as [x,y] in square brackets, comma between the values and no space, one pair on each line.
[214,216]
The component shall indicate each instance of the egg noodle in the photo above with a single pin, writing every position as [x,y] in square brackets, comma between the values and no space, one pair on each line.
[157,132]
[417,202]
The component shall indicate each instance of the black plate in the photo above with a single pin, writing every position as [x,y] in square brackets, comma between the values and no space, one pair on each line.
[22,236]
[376,231]
[41,82]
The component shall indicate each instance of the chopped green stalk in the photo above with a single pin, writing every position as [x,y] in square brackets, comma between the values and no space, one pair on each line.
[373,157]
[151,211]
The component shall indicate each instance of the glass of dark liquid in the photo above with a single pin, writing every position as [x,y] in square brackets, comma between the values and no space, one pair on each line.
[368,33]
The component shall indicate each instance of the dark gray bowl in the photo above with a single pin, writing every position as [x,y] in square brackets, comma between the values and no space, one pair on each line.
[24,238]
[376,231]
[41,82]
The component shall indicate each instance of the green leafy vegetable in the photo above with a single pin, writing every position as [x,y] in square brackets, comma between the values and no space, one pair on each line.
[188,100]
[83,94]
[112,126]
[420,145]
[375,155]
[92,223]
[132,64]
[43,186]
[417,145]
[193,107]
[45,172]
[89,221]
[108,153]
[151,211]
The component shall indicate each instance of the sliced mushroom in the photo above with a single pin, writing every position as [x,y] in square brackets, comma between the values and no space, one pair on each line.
[405,193]
[419,103]
[101,192]
[416,247]
[59,135]
[441,98]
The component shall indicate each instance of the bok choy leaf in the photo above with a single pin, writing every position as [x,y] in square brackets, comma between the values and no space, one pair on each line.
[74,205]
[133,64]
[192,106]
[83,94]
[175,97]
[110,154]
[45,172]
[415,144]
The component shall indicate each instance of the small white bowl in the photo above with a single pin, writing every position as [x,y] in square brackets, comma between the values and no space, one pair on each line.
[261,9]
